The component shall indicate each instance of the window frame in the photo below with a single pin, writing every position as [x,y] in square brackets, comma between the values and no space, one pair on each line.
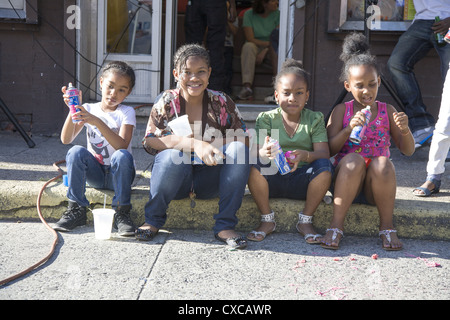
[337,21]
[28,15]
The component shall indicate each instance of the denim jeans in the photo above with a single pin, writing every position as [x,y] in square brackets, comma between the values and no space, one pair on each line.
[174,177]
[82,167]
[412,46]
[294,185]
[202,14]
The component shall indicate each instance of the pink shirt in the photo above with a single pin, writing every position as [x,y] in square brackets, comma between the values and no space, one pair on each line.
[377,139]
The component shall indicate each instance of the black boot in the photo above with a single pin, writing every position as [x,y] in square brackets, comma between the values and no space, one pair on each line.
[73,217]
[123,222]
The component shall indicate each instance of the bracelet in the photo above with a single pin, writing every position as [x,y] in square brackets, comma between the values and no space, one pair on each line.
[405,134]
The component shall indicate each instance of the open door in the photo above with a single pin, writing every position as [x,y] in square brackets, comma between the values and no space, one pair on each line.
[130,31]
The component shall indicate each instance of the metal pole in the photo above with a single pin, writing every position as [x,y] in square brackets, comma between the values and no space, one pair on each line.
[16,124]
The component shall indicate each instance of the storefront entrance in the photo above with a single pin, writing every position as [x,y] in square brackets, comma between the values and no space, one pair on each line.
[145,34]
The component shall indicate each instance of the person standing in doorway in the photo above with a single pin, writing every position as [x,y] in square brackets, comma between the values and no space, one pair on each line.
[211,15]
[411,47]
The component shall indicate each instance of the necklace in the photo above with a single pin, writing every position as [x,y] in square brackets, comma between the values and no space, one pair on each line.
[295,130]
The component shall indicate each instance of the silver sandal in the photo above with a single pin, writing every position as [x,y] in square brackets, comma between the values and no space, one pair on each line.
[387,234]
[264,218]
[304,219]
[336,231]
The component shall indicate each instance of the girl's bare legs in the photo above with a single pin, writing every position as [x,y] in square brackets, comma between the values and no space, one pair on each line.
[350,175]
[380,188]
[317,189]
[259,189]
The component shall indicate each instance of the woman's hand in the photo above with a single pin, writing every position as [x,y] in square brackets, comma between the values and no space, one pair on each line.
[207,152]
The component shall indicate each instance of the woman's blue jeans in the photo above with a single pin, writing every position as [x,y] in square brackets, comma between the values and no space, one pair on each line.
[174,177]
[412,46]
[82,167]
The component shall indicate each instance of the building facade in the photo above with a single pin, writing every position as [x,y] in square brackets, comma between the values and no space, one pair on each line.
[45,44]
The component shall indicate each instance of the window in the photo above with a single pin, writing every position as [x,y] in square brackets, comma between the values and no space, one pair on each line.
[387,15]
[24,11]
[129,27]
[130,31]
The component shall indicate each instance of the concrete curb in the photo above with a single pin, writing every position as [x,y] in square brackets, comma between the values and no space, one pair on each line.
[425,222]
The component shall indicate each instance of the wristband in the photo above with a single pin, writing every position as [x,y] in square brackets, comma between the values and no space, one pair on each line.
[405,134]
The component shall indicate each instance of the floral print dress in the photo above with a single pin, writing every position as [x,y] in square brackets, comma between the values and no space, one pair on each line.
[377,139]
[219,112]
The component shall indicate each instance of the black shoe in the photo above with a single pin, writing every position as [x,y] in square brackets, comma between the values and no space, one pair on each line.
[74,216]
[145,234]
[123,222]
[233,242]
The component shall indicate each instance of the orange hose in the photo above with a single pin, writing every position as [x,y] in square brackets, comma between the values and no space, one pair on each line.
[55,234]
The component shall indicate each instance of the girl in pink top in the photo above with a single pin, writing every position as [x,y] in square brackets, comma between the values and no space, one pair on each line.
[375,142]
[366,168]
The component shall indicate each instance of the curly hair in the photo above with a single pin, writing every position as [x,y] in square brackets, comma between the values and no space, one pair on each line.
[291,66]
[121,68]
[190,50]
[356,52]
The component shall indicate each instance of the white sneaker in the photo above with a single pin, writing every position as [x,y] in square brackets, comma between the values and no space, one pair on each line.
[423,136]
[245,94]
[270,99]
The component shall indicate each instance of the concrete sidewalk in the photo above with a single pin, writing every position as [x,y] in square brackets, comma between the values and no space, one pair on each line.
[191,265]
[185,262]
[24,171]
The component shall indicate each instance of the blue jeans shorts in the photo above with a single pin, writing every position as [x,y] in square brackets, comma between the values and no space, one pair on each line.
[294,185]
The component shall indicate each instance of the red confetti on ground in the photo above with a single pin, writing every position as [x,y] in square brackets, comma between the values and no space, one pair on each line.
[332,291]
[428,263]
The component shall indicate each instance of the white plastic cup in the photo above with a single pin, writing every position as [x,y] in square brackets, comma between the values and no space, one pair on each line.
[103,219]
[180,126]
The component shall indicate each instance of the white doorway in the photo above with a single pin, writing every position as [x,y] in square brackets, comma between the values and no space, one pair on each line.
[130,31]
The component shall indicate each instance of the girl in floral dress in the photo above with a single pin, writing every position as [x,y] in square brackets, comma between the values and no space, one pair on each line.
[211,162]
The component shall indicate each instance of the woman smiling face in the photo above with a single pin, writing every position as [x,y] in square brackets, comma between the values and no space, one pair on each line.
[193,77]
